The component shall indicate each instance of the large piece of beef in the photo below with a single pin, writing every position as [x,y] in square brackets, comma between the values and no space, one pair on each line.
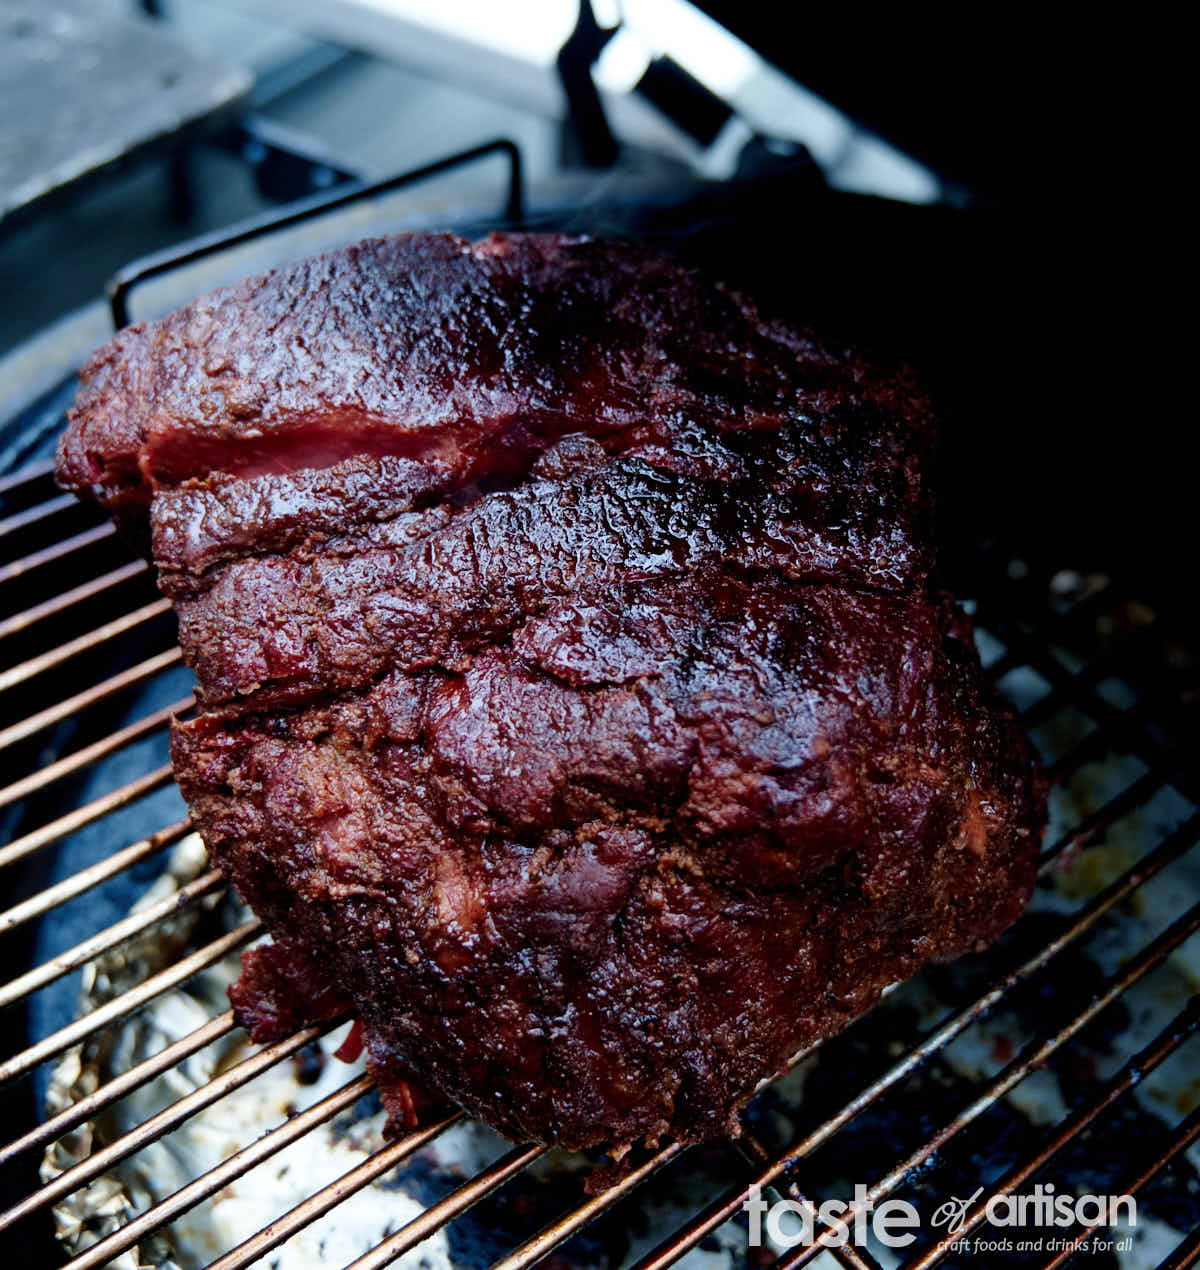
[577,700]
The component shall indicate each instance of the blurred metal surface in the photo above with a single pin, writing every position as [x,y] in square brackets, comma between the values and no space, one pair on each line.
[83,90]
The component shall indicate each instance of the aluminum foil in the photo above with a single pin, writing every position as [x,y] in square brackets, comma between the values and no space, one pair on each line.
[553,1184]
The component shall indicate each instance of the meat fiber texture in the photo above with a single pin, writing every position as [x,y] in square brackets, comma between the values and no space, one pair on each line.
[578,704]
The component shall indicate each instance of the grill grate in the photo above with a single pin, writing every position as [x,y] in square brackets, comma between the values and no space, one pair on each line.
[1100,660]
[1028,643]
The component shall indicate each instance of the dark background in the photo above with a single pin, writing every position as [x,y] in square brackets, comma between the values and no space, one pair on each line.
[1041,313]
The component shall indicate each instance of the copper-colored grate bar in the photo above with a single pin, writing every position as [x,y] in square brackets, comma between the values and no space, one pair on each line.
[446,1210]
[110,937]
[35,560]
[559,1231]
[42,511]
[728,1204]
[169,1118]
[90,753]
[546,1240]
[67,599]
[26,475]
[128,1002]
[92,876]
[1185,1256]
[209,1183]
[97,809]
[329,1197]
[82,644]
[89,697]
[1030,1058]
[137,1076]
[1179,1030]
[1186,1133]
[1102,818]
[849,1255]
[854,1258]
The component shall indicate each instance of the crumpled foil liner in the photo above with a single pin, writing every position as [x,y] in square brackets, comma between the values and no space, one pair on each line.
[528,1202]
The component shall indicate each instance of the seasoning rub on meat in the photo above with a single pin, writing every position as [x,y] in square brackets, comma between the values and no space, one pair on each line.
[577,700]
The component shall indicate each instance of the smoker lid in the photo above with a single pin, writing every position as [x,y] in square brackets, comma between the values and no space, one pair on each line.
[984,105]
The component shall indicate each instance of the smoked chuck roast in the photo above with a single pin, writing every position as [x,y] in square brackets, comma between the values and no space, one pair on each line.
[577,701]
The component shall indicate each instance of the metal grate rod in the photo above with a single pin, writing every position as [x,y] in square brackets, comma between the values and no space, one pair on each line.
[97,809]
[47,555]
[1180,1029]
[82,644]
[87,878]
[854,1258]
[1187,1133]
[1102,818]
[169,1118]
[128,1002]
[68,599]
[90,696]
[1185,1256]
[234,1166]
[549,1238]
[42,511]
[137,1076]
[110,937]
[446,1210]
[25,476]
[90,753]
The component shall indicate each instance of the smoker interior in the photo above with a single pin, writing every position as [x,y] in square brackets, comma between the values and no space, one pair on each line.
[1089,993]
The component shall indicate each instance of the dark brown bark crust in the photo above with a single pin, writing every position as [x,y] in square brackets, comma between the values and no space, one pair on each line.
[575,686]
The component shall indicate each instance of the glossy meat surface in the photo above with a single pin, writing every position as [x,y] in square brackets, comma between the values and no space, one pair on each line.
[574,681]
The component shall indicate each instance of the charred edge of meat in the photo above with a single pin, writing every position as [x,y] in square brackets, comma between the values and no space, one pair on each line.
[577,701]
